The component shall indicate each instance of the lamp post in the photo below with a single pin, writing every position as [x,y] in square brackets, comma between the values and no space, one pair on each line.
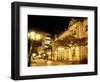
[33,37]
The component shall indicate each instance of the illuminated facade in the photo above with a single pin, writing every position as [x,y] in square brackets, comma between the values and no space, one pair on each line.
[78,30]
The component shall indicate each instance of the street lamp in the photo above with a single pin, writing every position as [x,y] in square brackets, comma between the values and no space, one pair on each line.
[33,36]
[38,37]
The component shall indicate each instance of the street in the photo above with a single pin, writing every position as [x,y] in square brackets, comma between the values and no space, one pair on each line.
[42,62]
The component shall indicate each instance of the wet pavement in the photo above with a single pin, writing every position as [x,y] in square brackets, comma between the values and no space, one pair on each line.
[42,62]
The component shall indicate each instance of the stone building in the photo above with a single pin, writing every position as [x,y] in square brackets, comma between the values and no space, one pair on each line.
[78,29]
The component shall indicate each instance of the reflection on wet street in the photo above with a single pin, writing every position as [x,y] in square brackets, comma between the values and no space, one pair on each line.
[42,62]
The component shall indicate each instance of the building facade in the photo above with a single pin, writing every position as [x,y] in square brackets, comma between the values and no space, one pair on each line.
[71,45]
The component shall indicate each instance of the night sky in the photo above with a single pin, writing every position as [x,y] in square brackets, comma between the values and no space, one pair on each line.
[49,24]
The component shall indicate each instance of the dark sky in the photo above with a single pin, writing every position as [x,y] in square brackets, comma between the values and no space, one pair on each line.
[49,24]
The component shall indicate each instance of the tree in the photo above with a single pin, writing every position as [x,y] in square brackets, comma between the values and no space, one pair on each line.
[33,49]
[71,41]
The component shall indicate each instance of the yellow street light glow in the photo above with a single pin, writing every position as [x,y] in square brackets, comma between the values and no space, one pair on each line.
[31,35]
[44,54]
[38,37]
[34,54]
[34,36]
